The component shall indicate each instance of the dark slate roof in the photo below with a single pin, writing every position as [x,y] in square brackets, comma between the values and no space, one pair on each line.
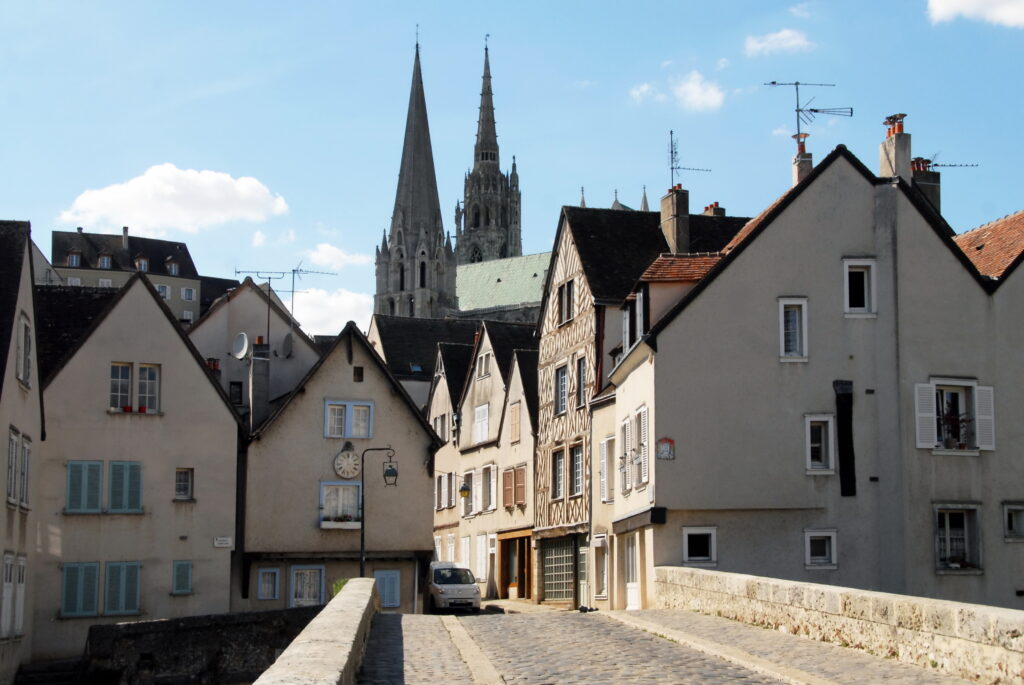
[323,342]
[13,241]
[409,345]
[505,339]
[64,315]
[92,245]
[528,360]
[211,288]
[457,359]
[712,233]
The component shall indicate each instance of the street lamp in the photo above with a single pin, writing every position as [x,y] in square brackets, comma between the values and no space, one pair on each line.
[464,490]
[390,478]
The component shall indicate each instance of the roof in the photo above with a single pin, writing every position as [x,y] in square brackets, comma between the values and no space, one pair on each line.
[502,282]
[65,313]
[456,358]
[91,245]
[13,240]
[505,339]
[995,246]
[687,267]
[212,288]
[410,345]
[528,361]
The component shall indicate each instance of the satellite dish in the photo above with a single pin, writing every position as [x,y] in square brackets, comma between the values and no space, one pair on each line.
[240,347]
[286,346]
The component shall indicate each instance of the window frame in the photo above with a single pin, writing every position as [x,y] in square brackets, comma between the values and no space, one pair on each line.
[575,471]
[74,259]
[81,589]
[276,573]
[13,460]
[142,264]
[709,561]
[566,302]
[84,493]
[832,561]
[561,399]
[164,291]
[558,474]
[173,269]
[581,382]
[106,283]
[357,518]
[127,609]
[515,411]
[155,382]
[25,469]
[125,495]
[483,364]
[24,353]
[112,394]
[784,304]
[870,308]
[481,423]
[190,495]
[104,261]
[349,405]
[980,403]
[827,468]
[974,562]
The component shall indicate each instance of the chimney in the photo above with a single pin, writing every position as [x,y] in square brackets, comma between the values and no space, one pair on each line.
[926,180]
[894,154]
[803,162]
[675,219]
[124,237]
[259,384]
[714,210]
[79,229]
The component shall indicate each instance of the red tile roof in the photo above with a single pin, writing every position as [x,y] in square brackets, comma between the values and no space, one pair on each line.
[994,246]
[687,267]
[754,223]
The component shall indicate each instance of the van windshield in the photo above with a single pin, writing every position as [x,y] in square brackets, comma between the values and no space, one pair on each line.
[453,576]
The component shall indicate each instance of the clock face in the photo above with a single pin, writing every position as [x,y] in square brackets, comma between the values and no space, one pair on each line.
[346,465]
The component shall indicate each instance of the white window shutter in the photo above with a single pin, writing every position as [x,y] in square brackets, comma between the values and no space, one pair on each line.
[477,490]
[627,444]
[924,398]
[644,446]
[494,488]
[452,489]
[984,417]
[443,501]
[603,470]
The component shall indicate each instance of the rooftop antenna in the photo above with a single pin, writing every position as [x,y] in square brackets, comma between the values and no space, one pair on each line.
[300,272]
[673,159]
[270,276]
[806,114]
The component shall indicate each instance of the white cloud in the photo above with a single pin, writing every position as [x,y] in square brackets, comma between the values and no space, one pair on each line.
[722,63]
[326,313]
[259,239]
[780,131]
[695,94]
[642,92]
[666,63]
[1005,12]
[802,10]
[786,40]
[332,257]
[168,198]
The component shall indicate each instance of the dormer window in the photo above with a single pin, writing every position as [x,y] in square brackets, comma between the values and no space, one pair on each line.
[172,268]
[105,261]
[74,259]
[141,264]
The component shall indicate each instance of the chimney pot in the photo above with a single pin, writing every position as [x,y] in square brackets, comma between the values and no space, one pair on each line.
[124,237]
[675,219]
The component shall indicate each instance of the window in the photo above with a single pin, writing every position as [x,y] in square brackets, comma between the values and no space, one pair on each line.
[106,283]
[441,427]
[357,374]
[348,419]
[183,484]
[389,585]
[181,577]
[267,583]
[122,588]
[121,386]
[565,302]
[488,484]
[74,281]
[793,328]
[235,392]
[441,496]
[561,383]
[576,469]
[957,537]
[307,586]
[519,483]
[451,489]
[74,259]
[339,502]
[1013,521]
[7,602]
[606,469]
[164,291]
[172,268]
[467,502]
[483,365]
[859,287]
[641,459]
[188,294]
[464,550]
[581,382]
[19,596]
[626,459]
[104,263]
[84,486]
[600,545]
[80,589]
[149,389]
[480,423]
[13,452]
[26,463]
[451,547]
[820,440]
[24,354]
[955,414]
[700,545]
[187,315]
[820,549]
[508,488]
[481,558]
[558,474]
[514,413]
[125,487]
[142,264]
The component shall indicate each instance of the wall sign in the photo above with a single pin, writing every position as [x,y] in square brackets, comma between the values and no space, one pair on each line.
[224,541]
[666,448]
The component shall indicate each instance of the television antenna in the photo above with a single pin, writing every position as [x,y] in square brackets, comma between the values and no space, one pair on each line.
[299,272]
[806,114]
[673,159]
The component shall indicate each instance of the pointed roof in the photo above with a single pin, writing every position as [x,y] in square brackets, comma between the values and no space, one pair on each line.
[528,361]
[416,201]
[486,132]
[995,246]
[643,202]
[456,358]
[409,345]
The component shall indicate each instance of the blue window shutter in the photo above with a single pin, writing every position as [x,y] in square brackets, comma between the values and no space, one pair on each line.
[70,604]
[117,486]
[93,473]
[134,486]
[90,576]
[182,578]
[115,588]
[131,588]
[76,476]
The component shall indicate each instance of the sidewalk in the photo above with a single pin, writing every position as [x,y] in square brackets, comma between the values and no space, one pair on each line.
[514,606]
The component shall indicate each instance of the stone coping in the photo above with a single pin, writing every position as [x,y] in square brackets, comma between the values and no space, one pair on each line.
[971,641]
[330,649]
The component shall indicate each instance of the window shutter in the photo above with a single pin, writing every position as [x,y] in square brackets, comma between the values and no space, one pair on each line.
[508,488]
[90,585]
[478,490]
[134,493]
[445,478]
[93,480]
[451,489]
[627,444]
[984,417]
[118,501]
[924,394]
[494,487]
[76,474]
[19,598]
[131,587]
[520,485]
[603,469]
[115,589]
[644,447]
[182,577]
[72,594]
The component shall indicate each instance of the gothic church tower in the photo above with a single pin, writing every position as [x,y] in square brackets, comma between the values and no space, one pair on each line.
[415,262]
[487,224]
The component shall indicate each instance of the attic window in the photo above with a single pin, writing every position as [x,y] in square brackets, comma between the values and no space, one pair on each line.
[104,261]
[357,374]
[142,264]
[172,268]
[415,368]
[74,259]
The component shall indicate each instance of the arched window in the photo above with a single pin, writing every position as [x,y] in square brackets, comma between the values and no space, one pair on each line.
[475,255]
[476,217]
[423,274]
[412,306]
[401,277]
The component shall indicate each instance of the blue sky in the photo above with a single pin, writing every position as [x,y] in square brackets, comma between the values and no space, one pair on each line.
[265,133]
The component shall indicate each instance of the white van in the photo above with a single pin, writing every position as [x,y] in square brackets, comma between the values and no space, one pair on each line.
[452,587]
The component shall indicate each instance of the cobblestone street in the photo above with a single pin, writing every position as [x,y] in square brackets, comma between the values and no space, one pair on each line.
[621,647]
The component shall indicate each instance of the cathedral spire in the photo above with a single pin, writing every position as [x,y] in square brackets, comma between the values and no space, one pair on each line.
[643,203]
[486,134]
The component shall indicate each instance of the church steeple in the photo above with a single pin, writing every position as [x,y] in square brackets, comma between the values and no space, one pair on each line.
[486,150]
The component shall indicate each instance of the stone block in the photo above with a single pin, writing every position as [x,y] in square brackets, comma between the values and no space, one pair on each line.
[1007,629]
[909,614]
[883,609]
[939,618]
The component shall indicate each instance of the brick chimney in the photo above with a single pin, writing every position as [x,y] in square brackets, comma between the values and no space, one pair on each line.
[926,180]
[675,219]
[894,153]
[803,162]
[124,237]
[714,210]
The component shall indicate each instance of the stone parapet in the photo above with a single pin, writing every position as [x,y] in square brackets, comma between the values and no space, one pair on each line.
[971,641]
[330,649]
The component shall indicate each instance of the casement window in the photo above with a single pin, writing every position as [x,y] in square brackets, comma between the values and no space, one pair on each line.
[142,264]
[13,452]
[793,329]
[24,353]
[957,537]
[339,502]
[558,474]
[106,283]
[188,294]
[7,601]
[235,392]
[1013,521]
[307,586]
[74,281]
[467,502]
[21,572]
[700,545]
[172,268]
[481,558]
[565,302]
[576,469]
[80,584]
[125,487]
[481,427]
[149,389]
[452,490]
[820,443]
[859,287]
[515,416]
[561,389]
[441,427]
[163,290]
[268,582]
[121,386]
[483,365]
[74,260]
[581,382]
[348,419]
[465,551]
[121,588]
[187,315]
[626,459]
[181,577]
[820,549]
[606,469]
[508,488]
[437,548]
[84,487]
[104,263]
[183,484]
[26,465]
[488,488]
[519,483]
[450,544]
[955,414]
[439,494]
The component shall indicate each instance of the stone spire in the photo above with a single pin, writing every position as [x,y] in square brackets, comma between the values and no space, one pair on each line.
[486,150]
[643,202]
[583,198]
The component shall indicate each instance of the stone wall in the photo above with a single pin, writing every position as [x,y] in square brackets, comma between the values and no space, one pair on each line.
[330,650]
[968,640]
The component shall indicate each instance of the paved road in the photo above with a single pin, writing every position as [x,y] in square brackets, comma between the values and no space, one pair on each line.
[568,647]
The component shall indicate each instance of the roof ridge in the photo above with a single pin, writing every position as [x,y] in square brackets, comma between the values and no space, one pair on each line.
[989,223]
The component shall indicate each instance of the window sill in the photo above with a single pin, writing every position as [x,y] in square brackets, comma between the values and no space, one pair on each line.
[860,315]
[820,567]
[181,594]
[792,359]
[120,412]
[576,495]
[603,595]
[133,512]
[341,525]
[943,452]
[1013,538]
[959,572]
[701,564]
[184,500]
[821,472]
